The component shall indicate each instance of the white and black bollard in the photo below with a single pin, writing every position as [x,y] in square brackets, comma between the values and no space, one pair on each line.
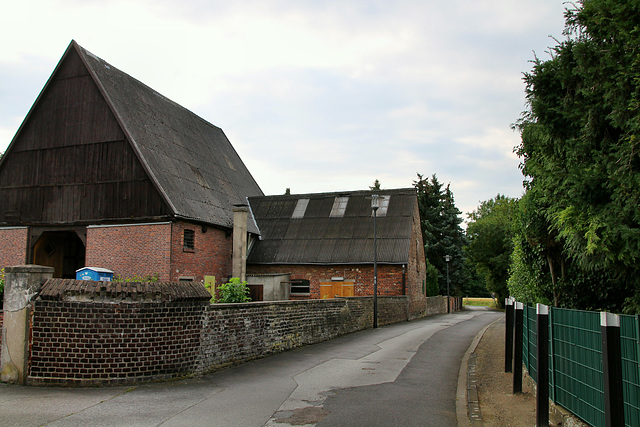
[612,369]
[508,335]
[542,356]
[517,347]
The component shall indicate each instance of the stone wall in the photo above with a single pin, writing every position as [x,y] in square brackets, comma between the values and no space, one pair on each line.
[89,333]
[235,333]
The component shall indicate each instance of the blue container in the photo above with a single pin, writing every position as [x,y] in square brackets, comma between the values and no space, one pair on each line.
[94,273]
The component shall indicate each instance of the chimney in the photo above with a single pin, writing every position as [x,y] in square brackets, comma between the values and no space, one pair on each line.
[239,260]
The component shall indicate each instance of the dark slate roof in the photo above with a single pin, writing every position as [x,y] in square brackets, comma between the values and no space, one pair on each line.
[191,161]
[318,238]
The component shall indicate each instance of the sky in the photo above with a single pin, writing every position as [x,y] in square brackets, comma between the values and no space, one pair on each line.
[315,95]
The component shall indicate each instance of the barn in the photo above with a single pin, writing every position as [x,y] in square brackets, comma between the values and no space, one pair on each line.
[324,243]
[104,171]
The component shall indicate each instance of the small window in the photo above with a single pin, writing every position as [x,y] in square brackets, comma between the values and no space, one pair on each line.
[189,243]
[300,286]
[186,279]
[339,206]
[300,209]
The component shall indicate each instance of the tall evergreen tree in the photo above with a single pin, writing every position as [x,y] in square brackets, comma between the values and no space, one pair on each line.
[441,233]
[580,152]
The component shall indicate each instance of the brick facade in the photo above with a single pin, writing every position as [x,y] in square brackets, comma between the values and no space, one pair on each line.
[211,255]
[13,246]
[148,249]
[389,276]
[130,250]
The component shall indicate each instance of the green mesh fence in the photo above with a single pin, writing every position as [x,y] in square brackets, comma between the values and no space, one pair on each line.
[630,349]
[575,362]
[578,376]
[529,342]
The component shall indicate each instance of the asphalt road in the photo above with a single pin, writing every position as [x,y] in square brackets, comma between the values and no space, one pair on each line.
[404,374]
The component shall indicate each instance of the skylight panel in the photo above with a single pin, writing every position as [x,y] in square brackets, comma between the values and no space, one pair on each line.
[383,203]
[339,206]
[301,208]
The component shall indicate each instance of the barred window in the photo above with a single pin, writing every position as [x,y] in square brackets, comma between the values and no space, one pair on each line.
[189,241]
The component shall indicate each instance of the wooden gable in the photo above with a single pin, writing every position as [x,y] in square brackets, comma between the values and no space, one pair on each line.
[100,146]
[70,162]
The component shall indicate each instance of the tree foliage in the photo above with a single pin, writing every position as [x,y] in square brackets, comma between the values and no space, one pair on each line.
[490,234]
[441,233]
[580,156]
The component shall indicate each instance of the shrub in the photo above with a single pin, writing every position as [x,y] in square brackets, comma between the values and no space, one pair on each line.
[233,292]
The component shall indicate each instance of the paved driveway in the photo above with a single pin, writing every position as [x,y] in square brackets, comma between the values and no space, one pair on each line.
[404,374]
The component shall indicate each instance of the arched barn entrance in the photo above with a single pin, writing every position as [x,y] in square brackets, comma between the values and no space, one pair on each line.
[62,250]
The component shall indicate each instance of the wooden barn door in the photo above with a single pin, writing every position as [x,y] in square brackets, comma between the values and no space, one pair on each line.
[62,250]
[337,289]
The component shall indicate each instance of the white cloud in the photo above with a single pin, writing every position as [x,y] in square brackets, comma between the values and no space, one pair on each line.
[315,95]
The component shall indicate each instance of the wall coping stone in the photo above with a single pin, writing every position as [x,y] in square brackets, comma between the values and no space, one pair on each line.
[88,290]
[29,268]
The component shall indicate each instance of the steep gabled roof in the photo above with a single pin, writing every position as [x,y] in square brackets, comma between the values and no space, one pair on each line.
[191,162]
[332,228]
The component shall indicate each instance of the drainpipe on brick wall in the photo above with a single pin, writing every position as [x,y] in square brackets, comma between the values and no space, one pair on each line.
[239,260]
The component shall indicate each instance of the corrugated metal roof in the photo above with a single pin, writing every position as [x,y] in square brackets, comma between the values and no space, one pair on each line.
[191,161]
[317,238]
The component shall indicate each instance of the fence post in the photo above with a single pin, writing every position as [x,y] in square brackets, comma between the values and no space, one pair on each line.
[542,356]
[22,284]
[612,369]
[508,335]
[517,348]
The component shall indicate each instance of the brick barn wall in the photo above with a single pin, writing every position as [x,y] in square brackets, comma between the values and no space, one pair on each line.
[88,343]
[210,257]
[389,276]
[130,250]
[13,246]
[416,270]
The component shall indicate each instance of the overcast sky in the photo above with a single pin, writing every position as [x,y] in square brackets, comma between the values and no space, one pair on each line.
[315,96]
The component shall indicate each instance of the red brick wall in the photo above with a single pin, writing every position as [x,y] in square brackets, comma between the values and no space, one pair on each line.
[389,276]
[148,249]
[211,256]
[13,246]
[131,250]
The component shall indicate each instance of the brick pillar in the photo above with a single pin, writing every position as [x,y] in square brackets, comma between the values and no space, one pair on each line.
[239,260]
[22,284]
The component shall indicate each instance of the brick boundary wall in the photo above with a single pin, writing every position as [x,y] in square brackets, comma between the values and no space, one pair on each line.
[96,333]
[107,333]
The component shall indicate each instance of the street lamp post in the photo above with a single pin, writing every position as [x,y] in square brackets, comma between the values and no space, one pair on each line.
[375,204]
[447,258]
